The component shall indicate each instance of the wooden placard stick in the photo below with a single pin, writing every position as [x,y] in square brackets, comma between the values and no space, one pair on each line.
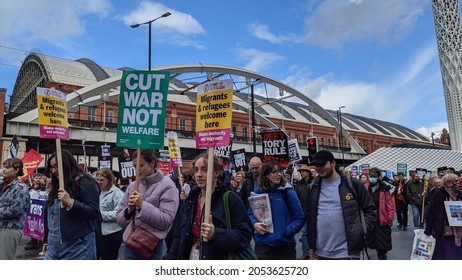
[209,187]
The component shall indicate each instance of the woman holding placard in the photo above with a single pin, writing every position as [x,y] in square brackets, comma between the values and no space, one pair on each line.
[190,229]
[151,207]
[448,238]
[72,213]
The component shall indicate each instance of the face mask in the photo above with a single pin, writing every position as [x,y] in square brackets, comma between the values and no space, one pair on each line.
[373,180]
[456,187]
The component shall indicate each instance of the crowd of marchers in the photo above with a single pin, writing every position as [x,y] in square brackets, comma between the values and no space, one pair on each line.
[339,217]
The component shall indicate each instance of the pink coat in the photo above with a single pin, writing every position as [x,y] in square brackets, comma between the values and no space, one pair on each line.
[386,208]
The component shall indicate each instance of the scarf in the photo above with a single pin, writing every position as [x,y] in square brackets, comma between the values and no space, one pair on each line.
[6,182]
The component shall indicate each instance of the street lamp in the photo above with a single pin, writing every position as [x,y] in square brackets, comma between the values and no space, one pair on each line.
[149,23]
[254,125]
[341,133]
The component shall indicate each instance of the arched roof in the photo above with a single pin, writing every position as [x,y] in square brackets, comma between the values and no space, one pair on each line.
[272,97]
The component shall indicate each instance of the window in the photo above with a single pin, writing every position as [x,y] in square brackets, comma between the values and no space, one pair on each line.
[323,142]
[109,116]
[297,136]
[91,114]
[329,142]
[235,130]
[244,131]
[194,125]
[182,124]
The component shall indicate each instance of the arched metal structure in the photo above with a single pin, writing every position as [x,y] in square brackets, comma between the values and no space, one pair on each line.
[92,94]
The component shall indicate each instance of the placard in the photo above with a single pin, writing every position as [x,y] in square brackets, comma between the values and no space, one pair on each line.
[214,114]
[142,107]
[52,114]
[276,147]
[454,213]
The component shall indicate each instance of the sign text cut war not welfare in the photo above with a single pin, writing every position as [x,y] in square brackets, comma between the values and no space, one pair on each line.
[143,102]
[214,114]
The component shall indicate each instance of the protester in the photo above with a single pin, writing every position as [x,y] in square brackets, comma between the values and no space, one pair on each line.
[14,203]
[414,189]
[400,200]
[365,180]
[109,202]
[287,213]
[251,183]
[190,227]
[448,238]
[72,213]
[383,201]
[335,230]
[152,207]
[238,181]
[302,188]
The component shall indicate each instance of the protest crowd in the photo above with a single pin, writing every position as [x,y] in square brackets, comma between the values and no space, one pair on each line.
[256,210]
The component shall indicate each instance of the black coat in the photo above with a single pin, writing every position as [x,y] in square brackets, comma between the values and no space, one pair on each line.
[436,218]
[225,241]
[351,214]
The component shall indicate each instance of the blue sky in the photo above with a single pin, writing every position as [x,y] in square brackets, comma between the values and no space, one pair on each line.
[378,58]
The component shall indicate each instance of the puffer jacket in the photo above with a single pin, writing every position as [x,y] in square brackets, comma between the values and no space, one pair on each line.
[351,198]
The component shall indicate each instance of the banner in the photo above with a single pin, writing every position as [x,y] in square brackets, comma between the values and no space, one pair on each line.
[401,167]
[354,171]
[31,160]
[52,114]
[214,114]
[276,147]
[142,107]
[174,150]
[34,223]
[365,168]
[294,150]
[240,160]
[104,162]
[126,171]
[13,147]
[164,162]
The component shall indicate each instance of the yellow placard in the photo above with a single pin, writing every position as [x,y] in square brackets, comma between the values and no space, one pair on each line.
[52,111]
[214,110]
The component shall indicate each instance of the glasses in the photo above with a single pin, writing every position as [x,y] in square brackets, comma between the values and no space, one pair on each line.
[275,172]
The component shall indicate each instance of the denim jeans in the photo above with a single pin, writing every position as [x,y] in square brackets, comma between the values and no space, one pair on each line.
[304,239]
[156,255]
[416,212]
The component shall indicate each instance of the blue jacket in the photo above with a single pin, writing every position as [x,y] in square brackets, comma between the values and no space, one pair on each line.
[288,218]
[84,214]
[14,203]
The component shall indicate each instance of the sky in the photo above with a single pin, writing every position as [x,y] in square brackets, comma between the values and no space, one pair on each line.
[378,58]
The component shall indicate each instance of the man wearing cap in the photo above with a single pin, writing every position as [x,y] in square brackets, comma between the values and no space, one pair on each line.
[301,188]
[334,223]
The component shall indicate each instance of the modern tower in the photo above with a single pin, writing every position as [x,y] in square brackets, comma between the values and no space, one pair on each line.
[448,36]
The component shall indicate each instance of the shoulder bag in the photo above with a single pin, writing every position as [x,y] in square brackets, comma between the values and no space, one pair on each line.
[246,254]
[141,241]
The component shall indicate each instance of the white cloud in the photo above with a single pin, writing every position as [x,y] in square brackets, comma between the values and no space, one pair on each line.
[178,22]
[436,128]
[262,32]
[258,60]
[355,20]
[408,96]
[384,21]
[47,20]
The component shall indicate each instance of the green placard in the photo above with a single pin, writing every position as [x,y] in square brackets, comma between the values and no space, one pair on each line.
[142,107]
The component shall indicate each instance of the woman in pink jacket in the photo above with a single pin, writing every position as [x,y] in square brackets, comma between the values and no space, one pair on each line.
[382,198]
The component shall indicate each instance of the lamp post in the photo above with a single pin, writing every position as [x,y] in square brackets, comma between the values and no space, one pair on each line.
[149,23]
[341,133]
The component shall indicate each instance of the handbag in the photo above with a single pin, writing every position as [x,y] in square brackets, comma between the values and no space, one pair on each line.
[246,254]
[141,241]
